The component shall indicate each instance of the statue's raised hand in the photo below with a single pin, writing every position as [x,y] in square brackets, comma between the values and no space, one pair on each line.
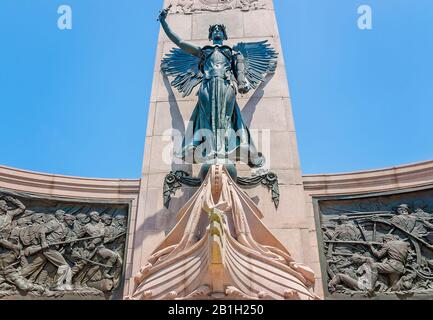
[164,13]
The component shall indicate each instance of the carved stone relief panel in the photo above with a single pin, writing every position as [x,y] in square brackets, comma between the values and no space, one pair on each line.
[191,6]
[59,249]
[377,246]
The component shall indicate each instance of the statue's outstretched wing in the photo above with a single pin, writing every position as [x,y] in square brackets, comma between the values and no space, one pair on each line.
[260,59]
[184,68]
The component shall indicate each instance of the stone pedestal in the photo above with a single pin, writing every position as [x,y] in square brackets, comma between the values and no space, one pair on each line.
[220,250]
[268,113]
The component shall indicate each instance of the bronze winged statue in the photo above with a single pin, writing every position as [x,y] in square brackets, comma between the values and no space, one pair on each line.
[216,130]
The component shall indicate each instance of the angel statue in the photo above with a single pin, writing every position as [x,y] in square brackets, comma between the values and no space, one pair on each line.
[216,131]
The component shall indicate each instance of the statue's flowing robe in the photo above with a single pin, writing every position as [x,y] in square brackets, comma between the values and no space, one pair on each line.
[216,125]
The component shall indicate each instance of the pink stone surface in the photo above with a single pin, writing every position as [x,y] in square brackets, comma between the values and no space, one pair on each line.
[220,249]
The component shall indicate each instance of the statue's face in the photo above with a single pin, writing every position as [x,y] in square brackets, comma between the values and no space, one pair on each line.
[95,217]
[69,220]
[60,215]
[217,34]
[107,220]
[121,221]
[402,211]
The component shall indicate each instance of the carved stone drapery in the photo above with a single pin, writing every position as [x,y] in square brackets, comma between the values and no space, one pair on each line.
[191,6]
[269,180]
[378,246]
[174,181]
[58,249]
[220,249]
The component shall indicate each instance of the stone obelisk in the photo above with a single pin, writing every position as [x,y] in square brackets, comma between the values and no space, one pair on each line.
[268,113]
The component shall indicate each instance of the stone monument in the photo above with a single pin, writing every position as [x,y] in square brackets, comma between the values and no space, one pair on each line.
[220,69]
[221,210]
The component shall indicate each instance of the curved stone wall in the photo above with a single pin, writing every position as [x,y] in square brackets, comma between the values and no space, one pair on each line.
[388,181]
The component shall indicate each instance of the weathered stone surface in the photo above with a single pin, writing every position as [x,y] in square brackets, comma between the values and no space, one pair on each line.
[257,115]
[232,20]
[180,113]
[59,249]
[266,28]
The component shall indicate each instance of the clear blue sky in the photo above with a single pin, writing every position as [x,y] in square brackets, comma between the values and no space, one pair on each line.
[75,102]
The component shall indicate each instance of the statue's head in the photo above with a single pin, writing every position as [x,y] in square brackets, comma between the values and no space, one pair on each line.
[69,219]
[60,215]
[403,209]
[82,218]
[94,216]
[217,33]
[120,221]
[107,219]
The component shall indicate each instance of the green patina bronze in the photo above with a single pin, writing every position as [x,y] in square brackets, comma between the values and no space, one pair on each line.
[217,130]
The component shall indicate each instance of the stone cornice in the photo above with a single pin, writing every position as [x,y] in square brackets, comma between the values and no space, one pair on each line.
[387,179]
[66,186]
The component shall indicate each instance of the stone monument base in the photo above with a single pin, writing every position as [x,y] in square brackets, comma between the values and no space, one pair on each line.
[221,250]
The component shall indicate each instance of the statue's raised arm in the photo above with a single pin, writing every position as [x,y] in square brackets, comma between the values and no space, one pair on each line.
[185,46]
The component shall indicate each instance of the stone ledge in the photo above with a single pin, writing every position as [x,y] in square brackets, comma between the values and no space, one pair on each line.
[67,186]
[394,178]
